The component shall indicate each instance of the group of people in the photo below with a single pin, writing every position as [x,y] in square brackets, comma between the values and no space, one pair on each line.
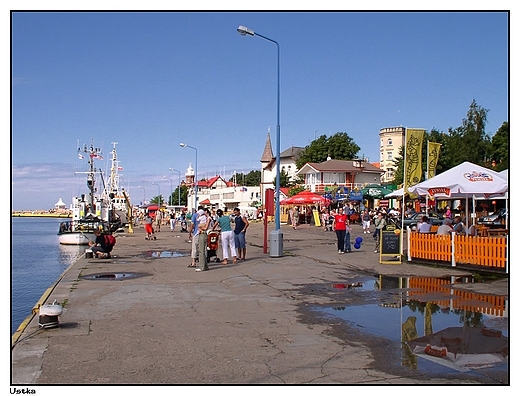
[233,240]
[456,226]
[340,223]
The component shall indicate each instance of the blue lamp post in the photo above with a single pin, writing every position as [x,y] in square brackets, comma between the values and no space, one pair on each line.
[276,236]
[179,188]
[196,183]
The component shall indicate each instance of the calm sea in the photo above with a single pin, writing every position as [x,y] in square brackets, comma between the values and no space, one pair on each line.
[37,262]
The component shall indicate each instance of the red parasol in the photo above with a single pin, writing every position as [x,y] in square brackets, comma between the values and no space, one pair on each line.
[306,198]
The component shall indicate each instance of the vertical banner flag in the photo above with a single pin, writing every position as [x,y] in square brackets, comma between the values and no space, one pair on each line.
[413,157]
[434,150]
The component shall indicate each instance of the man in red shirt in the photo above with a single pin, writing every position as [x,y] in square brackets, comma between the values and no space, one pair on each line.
[340,225]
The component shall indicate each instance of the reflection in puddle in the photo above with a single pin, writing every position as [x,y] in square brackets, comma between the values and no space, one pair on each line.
[163,254]
[439,328]
[113,276]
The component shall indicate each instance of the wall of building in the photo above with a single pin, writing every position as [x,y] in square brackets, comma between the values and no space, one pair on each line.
[391,139]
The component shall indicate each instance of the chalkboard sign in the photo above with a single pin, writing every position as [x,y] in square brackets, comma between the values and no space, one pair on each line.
[390,243]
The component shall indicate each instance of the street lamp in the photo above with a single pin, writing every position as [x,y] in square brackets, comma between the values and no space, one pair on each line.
[196,184]
[171,190]
[179,187]
[159,188]
[144,193]
[276,237]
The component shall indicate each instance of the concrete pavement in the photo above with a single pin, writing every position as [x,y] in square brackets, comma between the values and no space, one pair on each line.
[159,322]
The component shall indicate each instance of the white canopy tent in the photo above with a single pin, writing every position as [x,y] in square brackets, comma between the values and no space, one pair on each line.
[463,181]
[396,193]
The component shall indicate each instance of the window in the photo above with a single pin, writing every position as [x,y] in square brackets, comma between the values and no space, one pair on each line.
[330,178]
[389,142]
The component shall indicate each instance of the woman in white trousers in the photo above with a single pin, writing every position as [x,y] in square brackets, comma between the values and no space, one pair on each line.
[227,236]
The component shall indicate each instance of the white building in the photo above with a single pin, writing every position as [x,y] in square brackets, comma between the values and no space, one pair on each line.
[217,193]
[391,140]
[352,174]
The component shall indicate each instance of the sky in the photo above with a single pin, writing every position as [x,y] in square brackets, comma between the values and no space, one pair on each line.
[151,80]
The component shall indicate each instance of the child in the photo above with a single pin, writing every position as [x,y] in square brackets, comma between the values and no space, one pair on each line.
[347,245]
[148,226]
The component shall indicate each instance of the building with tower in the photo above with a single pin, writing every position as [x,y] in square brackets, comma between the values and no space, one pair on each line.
[391,140]
[288,160]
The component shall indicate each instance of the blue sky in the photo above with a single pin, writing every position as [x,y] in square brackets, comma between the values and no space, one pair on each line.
[150,80]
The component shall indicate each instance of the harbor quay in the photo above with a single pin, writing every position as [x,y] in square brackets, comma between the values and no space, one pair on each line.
[143,317]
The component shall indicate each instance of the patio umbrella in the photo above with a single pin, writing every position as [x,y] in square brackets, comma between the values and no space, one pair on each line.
[466,180]
[375,191]
[306,198]
[463,348]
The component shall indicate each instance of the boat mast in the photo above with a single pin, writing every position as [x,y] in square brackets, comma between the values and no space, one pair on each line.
[93,153]
[113,183]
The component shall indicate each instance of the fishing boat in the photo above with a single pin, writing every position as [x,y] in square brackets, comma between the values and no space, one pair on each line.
[119,199]
[89,212]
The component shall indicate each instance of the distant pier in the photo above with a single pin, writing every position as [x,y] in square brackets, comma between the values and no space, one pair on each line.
[37,213]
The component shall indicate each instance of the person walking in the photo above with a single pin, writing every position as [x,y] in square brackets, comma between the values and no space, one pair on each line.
[339,225]
[380,224]
[203,222]
[148,226]
[227,237]
[347,244]
[158,220]
[172,221]
[295,216]
[365,219]
[324,218]
[241,225]
[194,237]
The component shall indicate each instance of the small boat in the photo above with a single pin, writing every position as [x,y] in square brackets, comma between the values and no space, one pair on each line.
[89,213]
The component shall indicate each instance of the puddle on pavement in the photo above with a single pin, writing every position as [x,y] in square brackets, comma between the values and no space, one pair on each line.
[114,276]
[163,254]
[439,329]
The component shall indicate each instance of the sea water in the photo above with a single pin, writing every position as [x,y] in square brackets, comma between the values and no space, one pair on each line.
[37,262]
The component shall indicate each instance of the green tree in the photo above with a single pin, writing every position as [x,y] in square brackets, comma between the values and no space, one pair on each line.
[155,200]
[174,198]
[339,146]
[468,142]
[285,180]
[295,190]
[253,178]
[500,148]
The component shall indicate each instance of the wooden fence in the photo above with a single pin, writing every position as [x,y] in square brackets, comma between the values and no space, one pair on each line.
[482,252]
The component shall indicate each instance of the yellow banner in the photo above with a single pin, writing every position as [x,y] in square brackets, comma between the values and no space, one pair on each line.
[434,150]
[413,157]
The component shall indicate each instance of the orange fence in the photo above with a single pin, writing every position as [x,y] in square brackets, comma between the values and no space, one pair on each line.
[484,252]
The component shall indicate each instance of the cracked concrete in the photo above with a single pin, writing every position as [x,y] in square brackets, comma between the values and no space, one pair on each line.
[247,323]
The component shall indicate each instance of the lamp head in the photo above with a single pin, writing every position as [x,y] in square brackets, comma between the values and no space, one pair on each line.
[182,144]
[243,31]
